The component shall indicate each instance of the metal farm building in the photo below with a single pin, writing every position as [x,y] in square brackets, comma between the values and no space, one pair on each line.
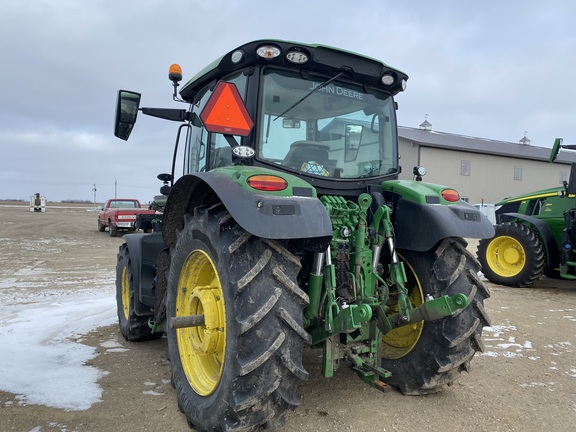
[480,169]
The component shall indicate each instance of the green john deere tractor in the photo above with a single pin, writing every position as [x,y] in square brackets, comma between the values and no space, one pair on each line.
[535,234]
[289,228]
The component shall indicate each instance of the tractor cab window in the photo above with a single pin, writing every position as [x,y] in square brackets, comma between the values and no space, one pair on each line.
[197,136]
[205,151]
[338,130]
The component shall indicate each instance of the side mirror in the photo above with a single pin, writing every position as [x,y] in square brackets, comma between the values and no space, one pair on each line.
[165,178]
[99,208]
[127,107]
[352,139]
[165,190]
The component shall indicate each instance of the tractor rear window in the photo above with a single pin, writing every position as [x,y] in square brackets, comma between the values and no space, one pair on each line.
[336,130]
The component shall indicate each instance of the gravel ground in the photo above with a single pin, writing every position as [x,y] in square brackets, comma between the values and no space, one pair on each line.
[524,381]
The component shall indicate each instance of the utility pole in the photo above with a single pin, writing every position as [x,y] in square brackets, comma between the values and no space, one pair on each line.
[94,193]
[115,187]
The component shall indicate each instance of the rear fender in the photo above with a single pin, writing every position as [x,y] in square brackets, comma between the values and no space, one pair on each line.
[263,215]
[420,226]
[422,216]
[144,250]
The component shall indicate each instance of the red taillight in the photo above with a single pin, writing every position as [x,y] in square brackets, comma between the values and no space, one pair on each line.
[450,195]
[267,183]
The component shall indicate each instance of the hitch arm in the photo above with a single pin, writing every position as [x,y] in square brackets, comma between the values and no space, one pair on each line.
[429,311]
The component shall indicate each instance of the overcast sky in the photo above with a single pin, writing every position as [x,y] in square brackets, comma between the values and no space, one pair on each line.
[492,69]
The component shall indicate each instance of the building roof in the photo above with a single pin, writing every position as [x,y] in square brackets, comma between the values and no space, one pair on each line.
[429,138]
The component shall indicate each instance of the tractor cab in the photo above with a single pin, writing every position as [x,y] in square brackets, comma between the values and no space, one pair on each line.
[299,109]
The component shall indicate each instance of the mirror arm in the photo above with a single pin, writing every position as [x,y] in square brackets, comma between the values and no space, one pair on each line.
[167,113]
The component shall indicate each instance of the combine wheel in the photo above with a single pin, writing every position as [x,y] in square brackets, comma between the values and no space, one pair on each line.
[239,369]
[513,257]
[132,326]
[425,356]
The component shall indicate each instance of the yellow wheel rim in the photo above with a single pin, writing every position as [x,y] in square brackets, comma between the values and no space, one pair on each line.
[505,256]
[125,292]
[201,348]
[401,341]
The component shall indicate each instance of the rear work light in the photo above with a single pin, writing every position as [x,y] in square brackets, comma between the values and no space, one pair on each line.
[267,182]
[387,79]
[237,56]
[450,195]
[297,57]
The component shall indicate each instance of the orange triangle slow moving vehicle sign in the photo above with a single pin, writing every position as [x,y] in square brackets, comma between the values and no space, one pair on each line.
[225,112]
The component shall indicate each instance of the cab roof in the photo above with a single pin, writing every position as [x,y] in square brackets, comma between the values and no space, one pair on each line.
[321,58]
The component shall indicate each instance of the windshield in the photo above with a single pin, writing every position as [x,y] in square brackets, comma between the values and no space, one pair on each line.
[335,130]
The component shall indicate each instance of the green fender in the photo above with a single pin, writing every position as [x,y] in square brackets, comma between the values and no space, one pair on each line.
[295,214]
[422,217]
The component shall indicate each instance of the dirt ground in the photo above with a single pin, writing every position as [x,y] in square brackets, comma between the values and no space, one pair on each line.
[524,381]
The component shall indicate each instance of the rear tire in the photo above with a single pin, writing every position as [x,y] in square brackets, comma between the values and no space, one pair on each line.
[240,369]
[133,327]
[113,229]
[425,356]
[513,257]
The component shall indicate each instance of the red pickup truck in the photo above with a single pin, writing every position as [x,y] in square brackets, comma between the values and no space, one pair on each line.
[120,214]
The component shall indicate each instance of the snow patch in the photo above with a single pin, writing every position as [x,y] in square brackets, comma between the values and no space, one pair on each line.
[41,361]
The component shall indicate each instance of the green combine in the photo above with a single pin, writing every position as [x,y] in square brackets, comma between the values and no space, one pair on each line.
[289,229]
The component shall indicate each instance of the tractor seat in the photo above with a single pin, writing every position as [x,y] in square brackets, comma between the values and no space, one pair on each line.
[309,156]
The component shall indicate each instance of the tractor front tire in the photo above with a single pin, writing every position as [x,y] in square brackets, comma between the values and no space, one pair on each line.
[513,257]
[425,356]
[132,327]
[239,370]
